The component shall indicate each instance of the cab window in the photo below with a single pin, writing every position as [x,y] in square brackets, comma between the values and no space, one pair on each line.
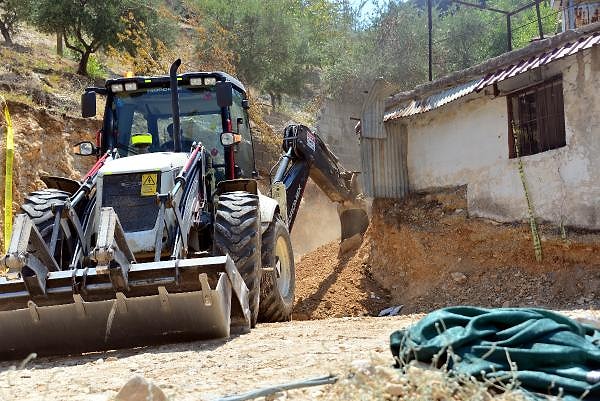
[239,118]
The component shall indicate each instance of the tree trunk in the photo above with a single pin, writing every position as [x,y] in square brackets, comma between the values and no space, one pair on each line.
[6,34]
[273,100]
[59,44]
[83,62]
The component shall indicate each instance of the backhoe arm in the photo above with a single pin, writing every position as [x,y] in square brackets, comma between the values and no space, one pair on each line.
[306,155]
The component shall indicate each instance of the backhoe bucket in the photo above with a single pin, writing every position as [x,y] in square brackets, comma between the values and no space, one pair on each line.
[167,301]
[353,220]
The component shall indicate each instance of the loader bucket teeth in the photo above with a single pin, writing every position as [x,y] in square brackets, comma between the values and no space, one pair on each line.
[181,300]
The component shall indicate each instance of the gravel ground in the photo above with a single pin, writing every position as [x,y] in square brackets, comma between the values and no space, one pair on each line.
[270,354]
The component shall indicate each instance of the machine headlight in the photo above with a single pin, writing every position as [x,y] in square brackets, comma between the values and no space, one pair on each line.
[210,81]
[130,86]
[196,81]
[116,88]
[229,138]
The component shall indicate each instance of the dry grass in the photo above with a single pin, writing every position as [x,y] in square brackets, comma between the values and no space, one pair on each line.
[376,380]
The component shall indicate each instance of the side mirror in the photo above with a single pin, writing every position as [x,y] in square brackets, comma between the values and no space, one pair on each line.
[85,148]
[245,104]
[88,104]
[224,94]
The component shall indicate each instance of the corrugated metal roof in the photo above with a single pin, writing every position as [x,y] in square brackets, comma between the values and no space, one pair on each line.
[540,60]
[449,95]
[433,102]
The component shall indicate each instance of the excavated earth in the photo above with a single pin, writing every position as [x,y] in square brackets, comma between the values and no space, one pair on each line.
[425,253]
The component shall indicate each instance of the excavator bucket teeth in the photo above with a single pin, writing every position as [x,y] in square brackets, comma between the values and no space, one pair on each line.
[182,300]
[353,221]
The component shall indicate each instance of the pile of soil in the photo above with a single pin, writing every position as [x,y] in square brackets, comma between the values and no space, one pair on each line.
[425,252]
[332,283]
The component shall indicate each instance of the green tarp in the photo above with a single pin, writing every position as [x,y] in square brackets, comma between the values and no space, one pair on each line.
[549,351]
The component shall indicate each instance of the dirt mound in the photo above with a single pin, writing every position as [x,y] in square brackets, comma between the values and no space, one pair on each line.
[428,253]
[425,253]
[330,283]
[43,145]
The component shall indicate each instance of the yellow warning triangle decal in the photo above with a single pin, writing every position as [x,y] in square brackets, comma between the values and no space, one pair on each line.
[149,180]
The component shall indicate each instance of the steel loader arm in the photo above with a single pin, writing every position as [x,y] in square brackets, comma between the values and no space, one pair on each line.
[306,155]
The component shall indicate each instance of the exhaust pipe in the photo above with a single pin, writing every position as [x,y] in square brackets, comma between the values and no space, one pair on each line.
[175,105]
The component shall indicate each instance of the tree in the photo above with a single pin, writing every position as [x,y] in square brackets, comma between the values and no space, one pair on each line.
[90,25]
[276,44]
[12,13]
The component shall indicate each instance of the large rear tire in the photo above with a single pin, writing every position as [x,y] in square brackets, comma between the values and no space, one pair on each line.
[237,233]
[277,287]
[38,206]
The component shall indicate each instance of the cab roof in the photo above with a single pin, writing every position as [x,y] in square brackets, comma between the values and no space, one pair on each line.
[160,80]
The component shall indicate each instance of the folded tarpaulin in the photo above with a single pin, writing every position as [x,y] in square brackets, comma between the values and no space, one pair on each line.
[549,351]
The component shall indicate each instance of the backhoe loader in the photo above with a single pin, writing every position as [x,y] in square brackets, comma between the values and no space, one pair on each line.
[167,237]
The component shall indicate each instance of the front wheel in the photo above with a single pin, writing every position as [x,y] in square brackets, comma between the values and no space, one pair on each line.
[278,284]
[237,234]
[38,206]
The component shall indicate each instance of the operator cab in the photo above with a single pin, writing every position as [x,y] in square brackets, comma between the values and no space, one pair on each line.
[141,107]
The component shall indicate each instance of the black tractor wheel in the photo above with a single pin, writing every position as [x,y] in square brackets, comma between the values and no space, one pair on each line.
[237,233]
[38,206]
[277,285]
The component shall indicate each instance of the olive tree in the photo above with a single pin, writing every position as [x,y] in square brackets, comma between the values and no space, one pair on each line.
[90,25]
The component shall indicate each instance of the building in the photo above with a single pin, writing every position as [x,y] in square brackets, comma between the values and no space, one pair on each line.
[541,101]
[577,13]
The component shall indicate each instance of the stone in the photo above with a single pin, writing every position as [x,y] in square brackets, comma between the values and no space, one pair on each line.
[350,244]
[395,390]
[458,277]
[139,389]
[363,366]
[391,311]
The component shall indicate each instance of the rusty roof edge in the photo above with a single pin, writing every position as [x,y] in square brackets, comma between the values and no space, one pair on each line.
[489,66]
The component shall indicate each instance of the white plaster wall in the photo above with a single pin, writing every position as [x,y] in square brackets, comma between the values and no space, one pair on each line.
[468,144]
[449,146]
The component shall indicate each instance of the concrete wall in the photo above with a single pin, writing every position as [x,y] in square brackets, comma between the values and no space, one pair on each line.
[466,142]
[337,130]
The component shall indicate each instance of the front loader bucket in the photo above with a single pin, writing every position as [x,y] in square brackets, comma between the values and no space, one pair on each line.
[168,301]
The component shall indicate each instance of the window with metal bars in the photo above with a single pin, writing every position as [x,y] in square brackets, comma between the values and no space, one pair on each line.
[536,118]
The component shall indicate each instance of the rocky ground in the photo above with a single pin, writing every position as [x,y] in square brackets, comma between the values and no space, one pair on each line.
[270,354]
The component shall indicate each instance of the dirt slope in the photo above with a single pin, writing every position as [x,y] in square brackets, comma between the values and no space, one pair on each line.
[43,145]
[425,253]
[334,284]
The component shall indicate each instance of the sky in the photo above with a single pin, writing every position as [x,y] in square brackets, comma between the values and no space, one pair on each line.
[367,9]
